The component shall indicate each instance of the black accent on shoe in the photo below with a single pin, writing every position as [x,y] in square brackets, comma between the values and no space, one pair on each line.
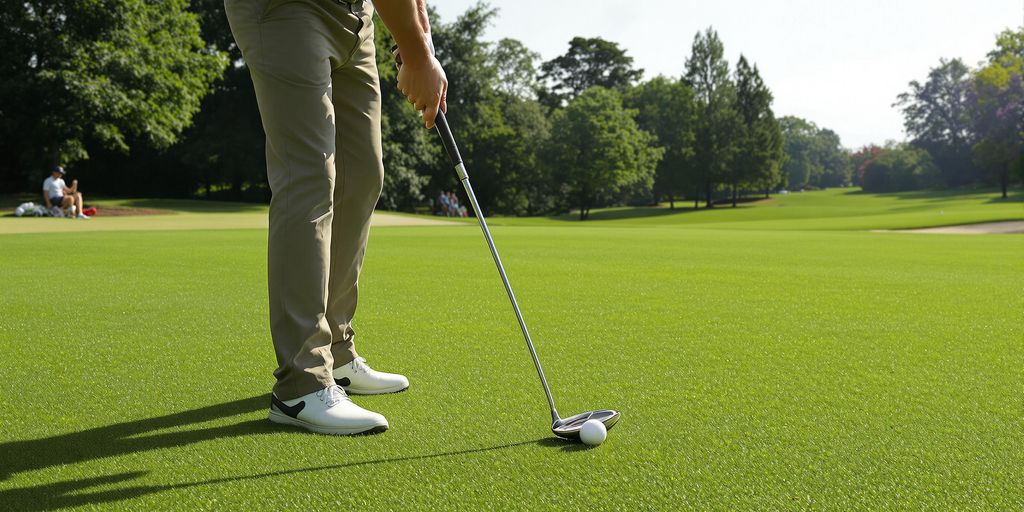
[292,411]
[374,431]
[342,381]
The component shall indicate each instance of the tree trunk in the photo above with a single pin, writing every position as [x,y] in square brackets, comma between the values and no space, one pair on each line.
[707,191]
[696,198]
[671,202]
[1005,179]
[734,195]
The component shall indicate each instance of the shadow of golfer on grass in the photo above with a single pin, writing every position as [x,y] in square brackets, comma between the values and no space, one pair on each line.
[129,437]
[58,495]
[122,438]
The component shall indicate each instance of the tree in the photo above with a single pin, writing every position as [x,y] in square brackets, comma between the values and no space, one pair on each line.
[467,59]
[760,149]
[104,71]
[409,149]
[861,159]
[935,116]
[814,156]
[833,160]
[666,108]
[898,168]
[599,151]
[589,62]
[1008,42]
[516,69]
[707,72]
[996,105]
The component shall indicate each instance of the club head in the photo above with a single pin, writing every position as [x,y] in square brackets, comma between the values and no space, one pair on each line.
[569,428]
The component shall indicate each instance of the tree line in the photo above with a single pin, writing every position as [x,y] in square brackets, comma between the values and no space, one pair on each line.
[966,126]
[154,100]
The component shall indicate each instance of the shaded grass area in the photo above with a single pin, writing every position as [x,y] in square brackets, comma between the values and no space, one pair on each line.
[772,369]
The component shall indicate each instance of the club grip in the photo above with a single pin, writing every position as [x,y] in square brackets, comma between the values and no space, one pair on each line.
[447,139]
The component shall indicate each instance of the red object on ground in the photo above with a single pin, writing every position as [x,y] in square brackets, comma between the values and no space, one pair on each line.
[90,211]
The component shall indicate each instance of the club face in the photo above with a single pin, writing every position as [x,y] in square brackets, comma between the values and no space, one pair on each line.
[569,428]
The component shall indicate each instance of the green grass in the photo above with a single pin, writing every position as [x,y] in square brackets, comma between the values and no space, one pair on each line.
[833,209]
[762,359]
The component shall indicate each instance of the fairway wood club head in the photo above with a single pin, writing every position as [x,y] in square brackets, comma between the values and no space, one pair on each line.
[569,428]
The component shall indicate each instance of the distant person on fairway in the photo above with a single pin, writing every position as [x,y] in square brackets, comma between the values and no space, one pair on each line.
[58,194]
[314,69]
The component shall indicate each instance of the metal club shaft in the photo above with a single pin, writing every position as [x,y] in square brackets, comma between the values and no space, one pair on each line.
[453,153]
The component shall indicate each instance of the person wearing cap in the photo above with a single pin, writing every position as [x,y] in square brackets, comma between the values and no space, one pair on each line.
[314,71]
[57,193]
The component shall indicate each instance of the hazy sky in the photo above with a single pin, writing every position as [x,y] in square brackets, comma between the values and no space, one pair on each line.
[839,64]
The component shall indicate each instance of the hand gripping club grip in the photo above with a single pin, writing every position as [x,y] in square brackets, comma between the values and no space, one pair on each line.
[441,124]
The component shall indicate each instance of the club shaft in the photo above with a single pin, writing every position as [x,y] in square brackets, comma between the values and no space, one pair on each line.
[453,153]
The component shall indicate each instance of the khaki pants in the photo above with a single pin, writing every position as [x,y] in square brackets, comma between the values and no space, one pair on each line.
[314,69]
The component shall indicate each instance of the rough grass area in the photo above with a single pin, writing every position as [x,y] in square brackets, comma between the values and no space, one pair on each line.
[809,367]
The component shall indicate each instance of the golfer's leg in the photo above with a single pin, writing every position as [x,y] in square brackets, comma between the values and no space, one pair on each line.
[359,182]
[291,70]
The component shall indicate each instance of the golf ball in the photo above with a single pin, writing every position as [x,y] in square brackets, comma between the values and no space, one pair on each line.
[593,432]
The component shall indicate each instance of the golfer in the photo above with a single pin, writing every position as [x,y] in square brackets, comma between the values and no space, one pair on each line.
[314,70]
[57,193]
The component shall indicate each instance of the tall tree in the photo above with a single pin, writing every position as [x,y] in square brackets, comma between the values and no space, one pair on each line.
[833,160]
[801,161]
[707,72]
[516,67]
[467,59]
[935,116]
[409,150]
[75,71]
[996,104]
[666,108]
[1008,42]
[589,62]
[814,156]
[760,152]
[599,152]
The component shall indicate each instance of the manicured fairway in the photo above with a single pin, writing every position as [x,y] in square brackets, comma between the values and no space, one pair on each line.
[765,361]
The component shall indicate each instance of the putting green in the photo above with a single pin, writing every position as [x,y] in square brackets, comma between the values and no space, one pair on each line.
[778,362]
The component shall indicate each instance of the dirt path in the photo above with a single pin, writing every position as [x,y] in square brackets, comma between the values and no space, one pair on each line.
[985,228]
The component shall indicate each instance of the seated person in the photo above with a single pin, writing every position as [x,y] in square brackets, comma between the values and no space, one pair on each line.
[57,193]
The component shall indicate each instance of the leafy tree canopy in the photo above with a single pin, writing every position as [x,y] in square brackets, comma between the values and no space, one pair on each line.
[589,62]
[599,151]
[74,70]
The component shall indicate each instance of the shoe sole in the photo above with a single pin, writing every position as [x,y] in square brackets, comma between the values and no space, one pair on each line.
[385,391]
[284,419]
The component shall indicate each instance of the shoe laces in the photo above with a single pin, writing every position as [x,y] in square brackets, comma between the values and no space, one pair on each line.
[359,365]
[332,395]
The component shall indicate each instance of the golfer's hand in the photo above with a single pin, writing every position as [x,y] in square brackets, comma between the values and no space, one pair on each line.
[425,85]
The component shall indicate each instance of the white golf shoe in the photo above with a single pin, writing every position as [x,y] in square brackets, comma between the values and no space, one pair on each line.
[359,379]
[328,411]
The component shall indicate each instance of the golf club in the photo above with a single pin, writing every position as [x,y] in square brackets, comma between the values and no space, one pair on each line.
[568,428]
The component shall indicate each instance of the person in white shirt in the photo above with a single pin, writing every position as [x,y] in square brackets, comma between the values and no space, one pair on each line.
[57,193]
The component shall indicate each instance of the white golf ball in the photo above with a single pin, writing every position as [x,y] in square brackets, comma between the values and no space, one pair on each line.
[593,433]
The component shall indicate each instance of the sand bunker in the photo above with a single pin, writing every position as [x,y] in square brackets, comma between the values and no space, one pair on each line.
[985,228]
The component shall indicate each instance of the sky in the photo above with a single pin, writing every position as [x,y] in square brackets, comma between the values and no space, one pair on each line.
[838,64]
